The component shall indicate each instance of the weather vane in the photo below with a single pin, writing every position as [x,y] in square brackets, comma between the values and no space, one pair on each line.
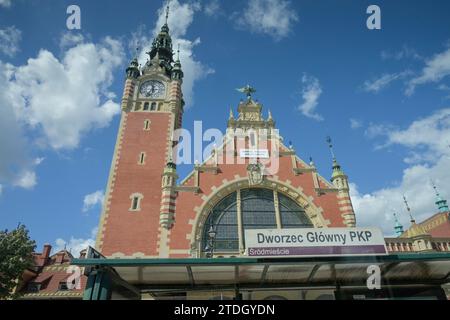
[248,90]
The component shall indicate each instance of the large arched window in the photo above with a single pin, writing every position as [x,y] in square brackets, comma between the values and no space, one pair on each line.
[223,218]
[253,208]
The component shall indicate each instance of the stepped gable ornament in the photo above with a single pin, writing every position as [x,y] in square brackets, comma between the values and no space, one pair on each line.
[255,172]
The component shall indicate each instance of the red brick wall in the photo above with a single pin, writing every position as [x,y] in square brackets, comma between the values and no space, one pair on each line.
[127,231]
[131,232]
[187,201]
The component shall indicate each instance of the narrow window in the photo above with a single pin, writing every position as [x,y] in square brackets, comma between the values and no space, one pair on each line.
[146,106]
[253,139]
[142,158]
[136,199]
[135,204]
[153,107]
[147,125]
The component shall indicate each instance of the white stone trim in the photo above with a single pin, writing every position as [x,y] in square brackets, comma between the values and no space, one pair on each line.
[139,197]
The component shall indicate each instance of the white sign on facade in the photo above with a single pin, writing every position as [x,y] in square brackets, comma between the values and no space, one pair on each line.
[254,153]
[314,242]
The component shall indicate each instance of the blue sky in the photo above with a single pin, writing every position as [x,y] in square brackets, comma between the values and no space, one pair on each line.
[383,95]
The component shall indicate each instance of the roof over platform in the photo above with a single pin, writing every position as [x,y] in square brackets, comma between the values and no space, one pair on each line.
[258,273]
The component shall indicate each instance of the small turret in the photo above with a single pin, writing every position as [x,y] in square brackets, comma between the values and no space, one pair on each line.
[398,227]
[169,180]
[270,121]
[440,202]
[177,73]
[340,182]
[338,177]
[133,69]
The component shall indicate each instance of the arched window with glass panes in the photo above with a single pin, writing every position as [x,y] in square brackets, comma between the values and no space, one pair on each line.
[256,208]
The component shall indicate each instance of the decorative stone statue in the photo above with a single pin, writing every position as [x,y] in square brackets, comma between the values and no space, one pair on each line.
[255,172]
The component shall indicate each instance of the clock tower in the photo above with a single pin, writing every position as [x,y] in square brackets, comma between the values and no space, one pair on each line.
[137,211]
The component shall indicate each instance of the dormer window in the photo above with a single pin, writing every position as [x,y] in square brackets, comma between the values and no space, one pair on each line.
[33,287]
[63,286]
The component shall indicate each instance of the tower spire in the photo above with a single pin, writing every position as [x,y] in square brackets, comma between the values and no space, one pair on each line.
[440,202]
[177,73]
[133,69]
[340,182]
[161,50]
[398,227]
[167,11]
[231,117]
[311,162]
[413,221]
[330,146]
[136,53]
[337,170]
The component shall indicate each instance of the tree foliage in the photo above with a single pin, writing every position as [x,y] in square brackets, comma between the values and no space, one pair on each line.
[16,250]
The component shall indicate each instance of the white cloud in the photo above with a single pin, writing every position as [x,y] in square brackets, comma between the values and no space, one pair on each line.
[9,41]
[430,136]
[70,39]
[38,161]
[375,85]
[75,245]
[212,8]
[405,53]
[64,98]
[436,68]
[26,180]
[92,199]
[375,130]
[54,102]
[5,3]
[272,17]
[180,19]
[311,92]
[426,139]
[14,154]
[355,123]
[376,208]
[445,88]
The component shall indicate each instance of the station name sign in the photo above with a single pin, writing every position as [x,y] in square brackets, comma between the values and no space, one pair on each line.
[314,242]
[254,153]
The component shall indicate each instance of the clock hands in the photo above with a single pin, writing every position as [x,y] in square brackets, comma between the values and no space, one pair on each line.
[153,90]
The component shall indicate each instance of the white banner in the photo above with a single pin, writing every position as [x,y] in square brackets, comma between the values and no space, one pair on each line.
[314,242]
[254,153]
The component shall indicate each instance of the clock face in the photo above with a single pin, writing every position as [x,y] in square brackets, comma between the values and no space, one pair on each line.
[152,89]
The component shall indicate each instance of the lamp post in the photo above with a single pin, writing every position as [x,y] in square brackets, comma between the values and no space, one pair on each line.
[210,245]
